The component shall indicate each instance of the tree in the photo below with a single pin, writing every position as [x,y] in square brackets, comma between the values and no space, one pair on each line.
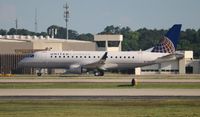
[12,31]
[111,30]
[149,38]
[130,41]
[2,32]
[73,34]
[86,37]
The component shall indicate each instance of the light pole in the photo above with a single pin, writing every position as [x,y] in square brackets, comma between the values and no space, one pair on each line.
[66,16]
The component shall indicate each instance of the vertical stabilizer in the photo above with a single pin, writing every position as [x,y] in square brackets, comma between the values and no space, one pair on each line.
[169,42]
[174,33]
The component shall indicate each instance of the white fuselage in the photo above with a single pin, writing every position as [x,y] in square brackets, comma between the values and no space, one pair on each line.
[90,59]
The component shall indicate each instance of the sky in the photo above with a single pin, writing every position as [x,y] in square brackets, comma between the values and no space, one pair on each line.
[92,16]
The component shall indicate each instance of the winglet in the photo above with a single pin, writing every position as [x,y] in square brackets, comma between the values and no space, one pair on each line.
[104,56]
[100,62]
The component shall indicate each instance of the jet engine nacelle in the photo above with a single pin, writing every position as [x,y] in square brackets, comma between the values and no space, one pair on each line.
[75,69]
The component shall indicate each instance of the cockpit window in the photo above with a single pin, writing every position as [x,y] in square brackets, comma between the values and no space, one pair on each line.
[32,56]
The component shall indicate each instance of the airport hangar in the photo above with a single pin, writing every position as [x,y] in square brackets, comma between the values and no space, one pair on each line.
[15,47]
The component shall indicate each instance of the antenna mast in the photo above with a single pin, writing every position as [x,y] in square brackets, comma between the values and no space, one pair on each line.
[36,21]
[66,17]
[16,24]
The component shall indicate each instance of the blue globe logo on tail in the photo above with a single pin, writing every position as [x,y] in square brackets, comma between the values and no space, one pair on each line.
[165,46]
[169,43]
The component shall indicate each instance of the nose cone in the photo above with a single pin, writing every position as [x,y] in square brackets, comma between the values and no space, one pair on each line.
[23,63]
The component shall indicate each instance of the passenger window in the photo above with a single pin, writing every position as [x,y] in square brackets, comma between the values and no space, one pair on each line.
[116,57]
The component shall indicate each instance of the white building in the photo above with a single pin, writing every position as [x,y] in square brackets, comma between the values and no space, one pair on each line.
[108,42]
[187,65]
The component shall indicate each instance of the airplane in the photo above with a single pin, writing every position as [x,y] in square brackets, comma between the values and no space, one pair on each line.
[100,61]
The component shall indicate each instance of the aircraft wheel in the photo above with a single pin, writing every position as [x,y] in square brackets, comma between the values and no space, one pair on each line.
[39,74]
[98,73]
[101,73]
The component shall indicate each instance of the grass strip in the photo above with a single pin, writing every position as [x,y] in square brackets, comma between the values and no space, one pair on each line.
[110,108]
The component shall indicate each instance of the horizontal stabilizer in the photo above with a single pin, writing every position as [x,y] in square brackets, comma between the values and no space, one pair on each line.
[169,57]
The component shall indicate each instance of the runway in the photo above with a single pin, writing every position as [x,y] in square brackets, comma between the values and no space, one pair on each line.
[98,93]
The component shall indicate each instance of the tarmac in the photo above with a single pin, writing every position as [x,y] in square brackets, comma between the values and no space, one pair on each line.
[99,80]
[98,93]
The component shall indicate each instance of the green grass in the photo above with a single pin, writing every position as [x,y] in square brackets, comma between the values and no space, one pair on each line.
[116,108]
[169,85]
[97,85]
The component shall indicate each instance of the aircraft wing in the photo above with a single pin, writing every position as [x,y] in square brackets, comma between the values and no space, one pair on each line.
[99,63]
[169,57]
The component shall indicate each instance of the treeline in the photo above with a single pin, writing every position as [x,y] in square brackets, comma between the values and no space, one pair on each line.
[25,32]
[133,40]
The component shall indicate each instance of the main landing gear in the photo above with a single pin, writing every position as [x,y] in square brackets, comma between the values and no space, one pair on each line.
[99,73]
[39,72]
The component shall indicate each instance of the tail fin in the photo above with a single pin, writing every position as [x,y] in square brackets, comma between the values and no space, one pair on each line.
[169,43]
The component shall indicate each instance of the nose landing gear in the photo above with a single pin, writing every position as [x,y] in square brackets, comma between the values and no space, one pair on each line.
[39,72]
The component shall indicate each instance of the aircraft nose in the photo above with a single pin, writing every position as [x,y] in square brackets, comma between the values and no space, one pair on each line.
[23,62]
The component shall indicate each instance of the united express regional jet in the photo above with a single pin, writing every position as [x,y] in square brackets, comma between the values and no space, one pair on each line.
[100,61]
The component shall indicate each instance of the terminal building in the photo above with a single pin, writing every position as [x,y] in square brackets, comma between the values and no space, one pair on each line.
[15,47]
